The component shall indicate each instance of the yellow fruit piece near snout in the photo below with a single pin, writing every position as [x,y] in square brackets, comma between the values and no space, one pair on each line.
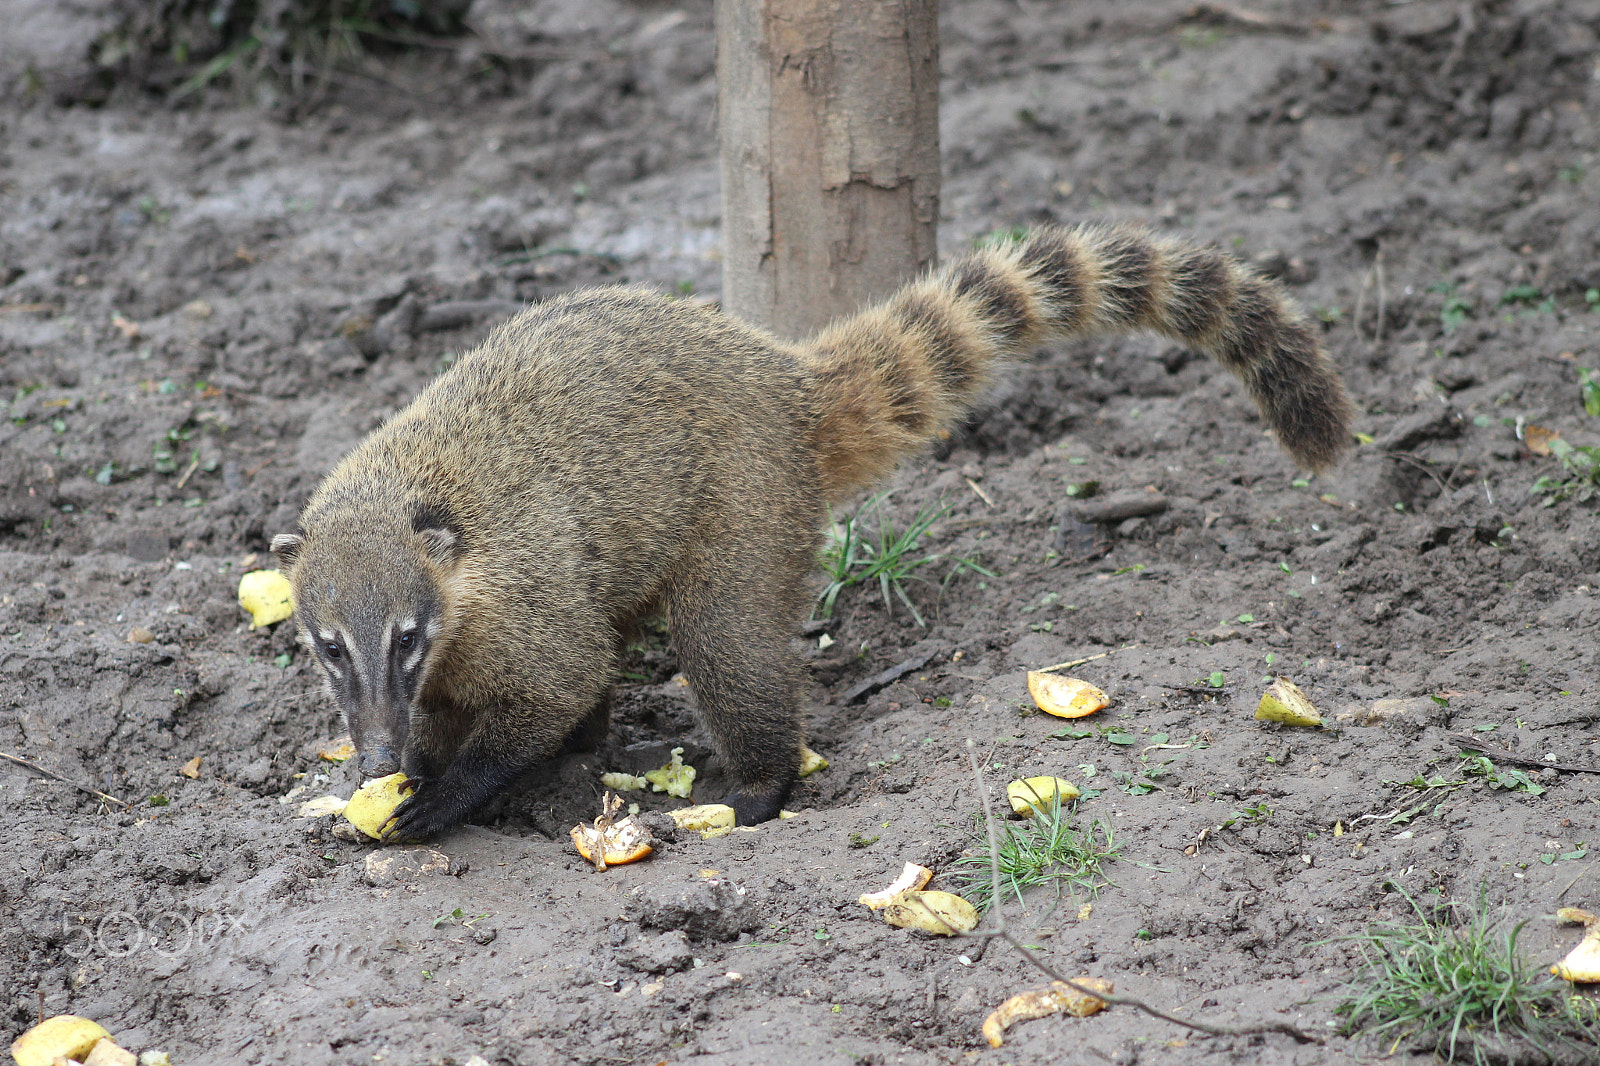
[705,818]
[1582,964]
[1065,697]
[1034,794]
[65,1035]
[374,803]
[1284,702]
[266,594]
[942,913]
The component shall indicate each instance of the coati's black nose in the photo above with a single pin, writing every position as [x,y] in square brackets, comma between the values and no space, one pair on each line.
[380,762]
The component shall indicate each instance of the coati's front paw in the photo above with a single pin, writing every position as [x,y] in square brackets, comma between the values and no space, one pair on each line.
[425,813]
[754,806]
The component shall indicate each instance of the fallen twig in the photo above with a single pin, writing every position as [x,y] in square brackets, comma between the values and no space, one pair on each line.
[1467,740]
[1087,659]
[36,768]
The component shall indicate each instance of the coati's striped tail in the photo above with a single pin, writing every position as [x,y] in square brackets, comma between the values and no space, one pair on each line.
[891,377]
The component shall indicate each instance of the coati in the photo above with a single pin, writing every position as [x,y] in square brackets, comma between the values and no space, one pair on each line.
[465,577]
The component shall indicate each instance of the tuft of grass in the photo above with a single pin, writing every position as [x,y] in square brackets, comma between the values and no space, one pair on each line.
[1050,848]
[1459,986]
[888,557]
[1579,478]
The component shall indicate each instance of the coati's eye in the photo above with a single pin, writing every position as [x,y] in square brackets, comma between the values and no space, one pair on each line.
[408,640]
[333,649]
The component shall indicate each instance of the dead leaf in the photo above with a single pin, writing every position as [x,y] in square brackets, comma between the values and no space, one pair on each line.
[191,769]
[1538,439]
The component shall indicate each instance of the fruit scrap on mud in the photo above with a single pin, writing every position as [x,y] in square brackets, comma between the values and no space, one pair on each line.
[1065,697]
[266,594]
[675,779]
[708,819]
[370,809]
[810,761]
[1284,702]
[940,913]
[1582,963]
[911,879]
[1031,795]
[1059,998]
[611,841]
[64,1037]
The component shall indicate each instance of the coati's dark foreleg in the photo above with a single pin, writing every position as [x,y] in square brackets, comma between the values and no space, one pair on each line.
[732,637]
[451,782]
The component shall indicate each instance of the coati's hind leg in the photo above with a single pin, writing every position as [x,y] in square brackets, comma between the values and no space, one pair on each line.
[732,628]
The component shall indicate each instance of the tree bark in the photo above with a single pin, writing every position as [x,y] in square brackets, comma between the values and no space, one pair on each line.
[828,112]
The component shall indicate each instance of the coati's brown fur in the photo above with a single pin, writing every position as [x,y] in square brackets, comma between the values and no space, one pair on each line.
[465,576]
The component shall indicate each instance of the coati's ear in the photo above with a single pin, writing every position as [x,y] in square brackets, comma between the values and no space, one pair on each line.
[286,546]
[440,544]
[439,534]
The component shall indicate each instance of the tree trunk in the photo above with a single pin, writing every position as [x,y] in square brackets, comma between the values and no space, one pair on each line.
[829,121]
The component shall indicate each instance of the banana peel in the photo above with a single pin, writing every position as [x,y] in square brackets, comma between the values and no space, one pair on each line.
[373,804]
[912,878]
[267,595]
[1065,697]
[940,913]
[1031,795]
[1059,998]
[64,1036]
[1285,702]
[1582,964]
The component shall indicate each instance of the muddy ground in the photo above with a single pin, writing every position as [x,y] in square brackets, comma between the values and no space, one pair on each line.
[203,304]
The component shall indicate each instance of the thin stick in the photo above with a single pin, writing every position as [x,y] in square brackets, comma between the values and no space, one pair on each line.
[1080,662]
[36,768]
[984,496]
[1000,931]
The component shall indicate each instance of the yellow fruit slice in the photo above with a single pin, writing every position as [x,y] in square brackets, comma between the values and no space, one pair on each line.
[1059,998]
[266,594]
[912,878]
[704,818]
[620,843]
[941,913]
[675,779]
[339,750]
[1284,702]
[65,1035]
[1582,963]
[373,804]
[1065,697]
[810,761]
[1034,794]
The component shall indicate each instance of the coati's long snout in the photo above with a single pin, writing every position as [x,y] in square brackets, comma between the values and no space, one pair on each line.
[372,640]
[613,453]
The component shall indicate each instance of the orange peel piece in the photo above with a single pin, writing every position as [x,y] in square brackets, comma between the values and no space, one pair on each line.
[1059,998]
[1065,697]
[620,843]
[911,879]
